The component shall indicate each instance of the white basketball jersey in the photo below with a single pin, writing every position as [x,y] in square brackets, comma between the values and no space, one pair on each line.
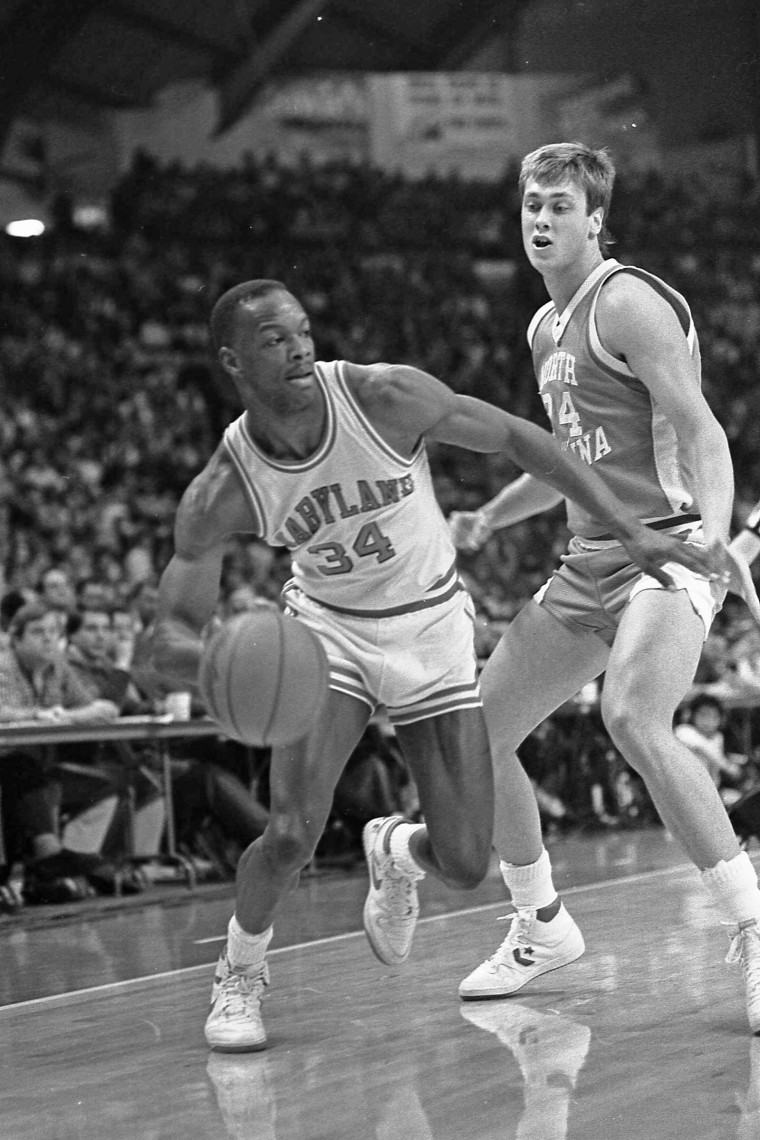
[362,522]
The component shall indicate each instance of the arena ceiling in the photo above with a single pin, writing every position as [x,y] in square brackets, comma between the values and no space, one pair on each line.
[68,57]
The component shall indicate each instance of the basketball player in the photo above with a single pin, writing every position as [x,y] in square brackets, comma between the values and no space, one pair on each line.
[328,459]
[618,367]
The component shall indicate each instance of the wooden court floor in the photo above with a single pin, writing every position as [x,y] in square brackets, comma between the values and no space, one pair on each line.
[644,1038]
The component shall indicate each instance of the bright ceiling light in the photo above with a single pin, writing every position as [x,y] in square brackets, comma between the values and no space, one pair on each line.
[25,227]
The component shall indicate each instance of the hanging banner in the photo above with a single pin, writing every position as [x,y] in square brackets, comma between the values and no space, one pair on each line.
[325,117]
[470,122]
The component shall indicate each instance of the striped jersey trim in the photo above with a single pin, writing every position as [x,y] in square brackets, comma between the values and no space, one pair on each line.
[447,700]
[391,611]
[604,270]
[368,426]
[655,524]
[345,679]
[444,579]
[252,495]
[324,448]
[536,321]
[611,363]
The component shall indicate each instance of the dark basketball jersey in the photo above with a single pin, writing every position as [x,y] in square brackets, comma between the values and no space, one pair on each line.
[601,413]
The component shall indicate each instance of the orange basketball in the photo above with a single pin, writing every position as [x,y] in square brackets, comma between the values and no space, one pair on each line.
[263,677]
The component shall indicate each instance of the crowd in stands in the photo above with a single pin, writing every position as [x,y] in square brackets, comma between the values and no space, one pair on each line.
[86,818]
[110,402]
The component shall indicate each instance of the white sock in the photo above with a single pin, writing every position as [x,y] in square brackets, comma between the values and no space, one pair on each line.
[733,890]
[530,885]
[399,848]
[245,950]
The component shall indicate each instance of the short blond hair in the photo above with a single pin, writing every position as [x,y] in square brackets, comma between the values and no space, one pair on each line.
[592,170]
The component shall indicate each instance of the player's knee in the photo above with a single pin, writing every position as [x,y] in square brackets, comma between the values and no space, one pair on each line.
[619,718]
[289,843]
[630,728]
[466,867]
[614,715]
[468,876]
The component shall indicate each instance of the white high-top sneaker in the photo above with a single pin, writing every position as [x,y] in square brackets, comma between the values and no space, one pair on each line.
[234,1022]
[392,906]
[531,948]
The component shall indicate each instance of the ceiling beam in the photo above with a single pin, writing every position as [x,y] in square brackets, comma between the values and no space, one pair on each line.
[89,94]
[361,21]
[238,90]
[461,36]
[165,29]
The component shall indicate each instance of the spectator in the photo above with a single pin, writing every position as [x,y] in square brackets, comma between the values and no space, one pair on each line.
[95,776]
[11,603]
[89,633]
[702,733]
[125,628]
[55,589]
[37,685]
[91,594]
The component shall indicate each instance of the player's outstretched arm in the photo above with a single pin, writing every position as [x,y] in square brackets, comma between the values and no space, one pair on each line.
[537,452]
[405,403]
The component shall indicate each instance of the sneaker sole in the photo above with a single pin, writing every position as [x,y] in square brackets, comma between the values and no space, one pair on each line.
[258,1047]
[387,960]
[485,995]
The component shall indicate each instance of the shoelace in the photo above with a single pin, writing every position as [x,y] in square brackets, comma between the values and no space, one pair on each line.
[239,986]
[398,890]
[735,950]
[517,935]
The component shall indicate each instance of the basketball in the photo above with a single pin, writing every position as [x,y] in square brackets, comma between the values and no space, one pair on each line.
[263,677]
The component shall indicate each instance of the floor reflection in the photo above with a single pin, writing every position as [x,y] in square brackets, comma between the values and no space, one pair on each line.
[550,1051]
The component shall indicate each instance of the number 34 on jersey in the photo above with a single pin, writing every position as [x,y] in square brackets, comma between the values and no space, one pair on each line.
[566,421]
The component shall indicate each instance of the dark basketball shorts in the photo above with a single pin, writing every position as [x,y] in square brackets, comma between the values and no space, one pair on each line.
[596,581]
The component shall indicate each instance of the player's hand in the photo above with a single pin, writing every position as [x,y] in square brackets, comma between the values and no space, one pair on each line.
[726,568]
[469,530]
[650,550]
